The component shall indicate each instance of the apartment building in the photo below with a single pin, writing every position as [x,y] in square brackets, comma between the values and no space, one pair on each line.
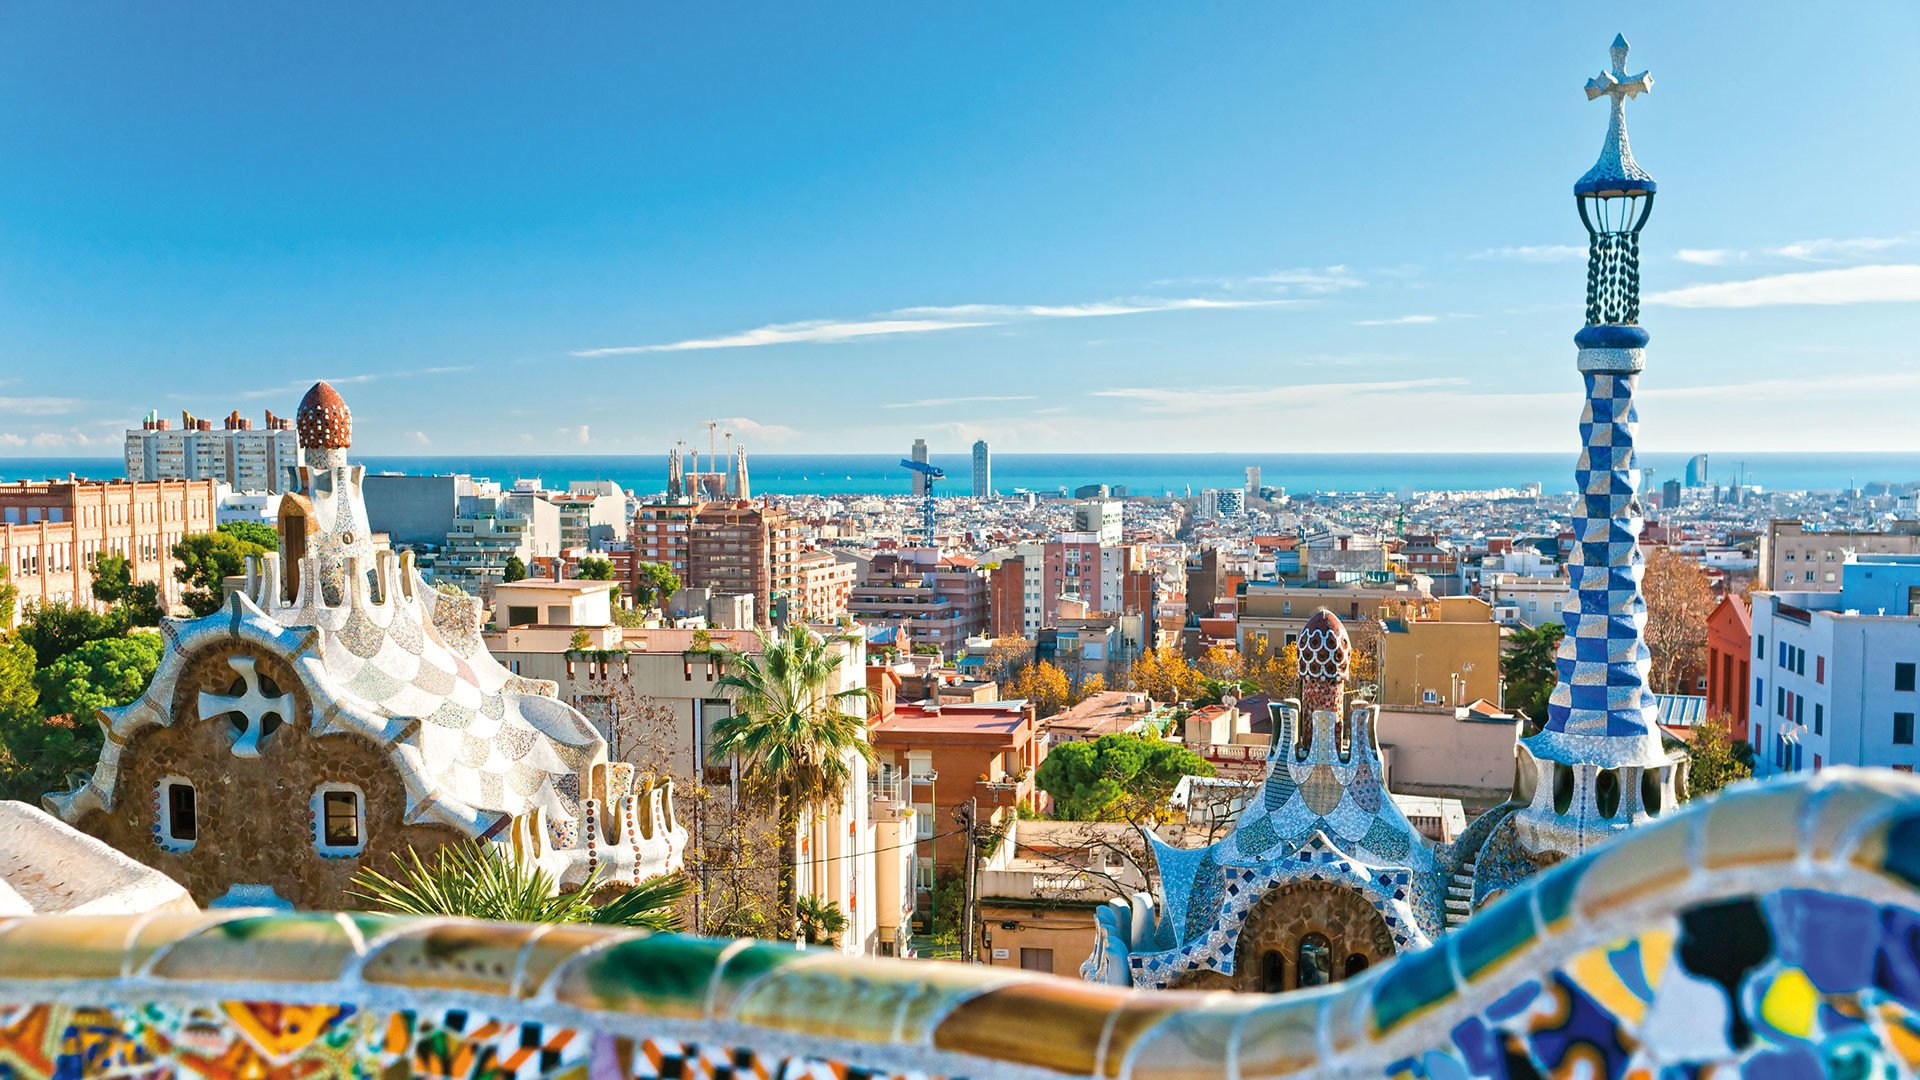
[51,533]
[945,755]
[493,526]
[744,547]
[1795,558]
[1274,612]
[927,599]
[823,587]
[1836,675]
[593,514]
[1438,651]
[236,454]
[1075,569]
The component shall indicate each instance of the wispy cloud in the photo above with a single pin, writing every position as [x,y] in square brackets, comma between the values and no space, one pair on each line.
[940,402]
[1403,320]
[300,386]
[923,320]
[1183,399]
[815,330]
[1709,256]
[1889,284]
[1851,388]
[39,406]
[1538,253]
[1830,249]
[743,427]
[1301,281]
[573,433]
[418,438]
[1858,247]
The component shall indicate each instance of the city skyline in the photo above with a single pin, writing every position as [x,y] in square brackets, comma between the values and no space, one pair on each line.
[837,235]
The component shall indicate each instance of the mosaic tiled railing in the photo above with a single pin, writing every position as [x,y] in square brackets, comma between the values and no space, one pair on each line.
[1772,932]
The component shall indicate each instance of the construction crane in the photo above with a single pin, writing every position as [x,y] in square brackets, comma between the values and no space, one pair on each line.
[932,473]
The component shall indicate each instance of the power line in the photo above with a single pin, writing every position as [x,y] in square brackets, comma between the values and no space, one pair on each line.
[834,858]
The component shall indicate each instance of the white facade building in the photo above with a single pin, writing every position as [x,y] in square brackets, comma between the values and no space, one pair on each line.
[238,455]
[1836,675]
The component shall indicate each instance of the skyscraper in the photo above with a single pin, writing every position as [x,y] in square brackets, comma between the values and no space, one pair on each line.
[1697,471]
[921,481]
[982,470]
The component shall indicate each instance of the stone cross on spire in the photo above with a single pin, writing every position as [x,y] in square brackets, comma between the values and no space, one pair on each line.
[1616,173]
[1617,82]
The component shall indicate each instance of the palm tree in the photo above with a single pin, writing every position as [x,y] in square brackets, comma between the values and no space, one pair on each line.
[821,921]
[1529,670]
[795,728]
[478,881]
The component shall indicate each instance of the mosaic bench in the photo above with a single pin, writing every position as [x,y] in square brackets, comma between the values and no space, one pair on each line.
[1771,932]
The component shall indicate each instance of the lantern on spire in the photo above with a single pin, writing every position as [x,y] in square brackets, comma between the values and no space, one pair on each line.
[1615,197]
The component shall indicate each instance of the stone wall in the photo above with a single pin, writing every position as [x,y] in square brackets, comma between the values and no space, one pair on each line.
[255,814]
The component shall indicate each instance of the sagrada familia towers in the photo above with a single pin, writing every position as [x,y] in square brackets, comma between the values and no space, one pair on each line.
[1322,875]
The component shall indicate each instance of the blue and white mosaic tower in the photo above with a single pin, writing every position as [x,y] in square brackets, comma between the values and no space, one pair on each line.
[1599,762]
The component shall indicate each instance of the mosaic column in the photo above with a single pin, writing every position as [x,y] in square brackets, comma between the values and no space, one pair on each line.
[1600,762]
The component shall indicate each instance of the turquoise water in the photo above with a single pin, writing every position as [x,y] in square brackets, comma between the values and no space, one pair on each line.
[1148,474]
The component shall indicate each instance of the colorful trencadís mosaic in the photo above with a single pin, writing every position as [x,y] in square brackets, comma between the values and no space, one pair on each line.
[1773,931]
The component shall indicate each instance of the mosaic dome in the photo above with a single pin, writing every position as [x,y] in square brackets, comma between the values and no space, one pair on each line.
[324,421]
[1325,653]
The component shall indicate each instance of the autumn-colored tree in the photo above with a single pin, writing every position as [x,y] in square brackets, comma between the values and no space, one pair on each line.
[1008,655]
[1220,662]
[1366,636]
[1164,675]
[1276,674]
[1679,599]
[1090,685]
[1043,684]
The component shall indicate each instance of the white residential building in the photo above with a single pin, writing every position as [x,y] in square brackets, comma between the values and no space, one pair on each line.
[236,454]
[1836,675]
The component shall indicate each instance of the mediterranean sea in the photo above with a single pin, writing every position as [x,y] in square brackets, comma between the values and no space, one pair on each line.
[1140,474]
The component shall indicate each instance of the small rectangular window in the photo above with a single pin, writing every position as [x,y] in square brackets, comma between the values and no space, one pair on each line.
[1819,719]
[183,820]
[1903,676]
[1903,729]
[1760,647]
[342,812]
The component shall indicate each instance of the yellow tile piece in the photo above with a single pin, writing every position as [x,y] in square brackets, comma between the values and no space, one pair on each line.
[1046,1023]
[1790,1002]
[1592,971]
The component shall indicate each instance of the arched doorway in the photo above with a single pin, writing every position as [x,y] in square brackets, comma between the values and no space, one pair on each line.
[1309,933]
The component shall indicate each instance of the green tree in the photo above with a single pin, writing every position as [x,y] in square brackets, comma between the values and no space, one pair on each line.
[790,724]
[821,921]
[265,536]
[1116,777]
[113,584]
[579,641]
[516,569]
[657,584]
[98,675]
[9,596]
[1718,758]
[56,629]
[1527,665]
[595,569]
[207,559]
[476,880]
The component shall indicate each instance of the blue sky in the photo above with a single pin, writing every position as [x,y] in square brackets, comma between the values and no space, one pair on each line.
[1107,227]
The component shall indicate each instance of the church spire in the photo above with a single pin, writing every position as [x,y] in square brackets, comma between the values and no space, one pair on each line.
[1600,763]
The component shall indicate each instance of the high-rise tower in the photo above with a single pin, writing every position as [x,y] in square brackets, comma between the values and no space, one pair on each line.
[1599,764]
[921,481]
[982,470]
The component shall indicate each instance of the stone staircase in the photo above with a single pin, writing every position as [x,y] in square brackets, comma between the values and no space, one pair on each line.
[1460,895]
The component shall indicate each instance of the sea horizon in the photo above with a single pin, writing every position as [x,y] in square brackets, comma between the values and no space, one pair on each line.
[1140,474]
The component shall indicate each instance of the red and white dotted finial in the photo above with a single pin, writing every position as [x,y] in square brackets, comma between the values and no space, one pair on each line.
[324,421]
